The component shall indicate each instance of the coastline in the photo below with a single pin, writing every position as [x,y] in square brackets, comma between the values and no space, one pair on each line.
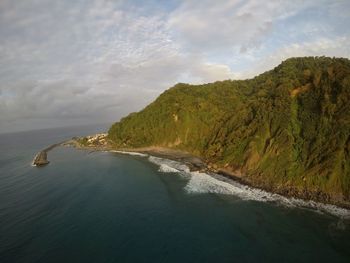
[193,162]
[196,163]
[255,193]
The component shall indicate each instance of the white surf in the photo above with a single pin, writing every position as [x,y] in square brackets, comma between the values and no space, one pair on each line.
[199,183]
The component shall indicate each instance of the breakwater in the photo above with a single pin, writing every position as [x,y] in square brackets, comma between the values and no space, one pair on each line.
[40,158]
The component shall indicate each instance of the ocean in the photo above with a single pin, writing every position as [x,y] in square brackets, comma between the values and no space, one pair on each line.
[115,207]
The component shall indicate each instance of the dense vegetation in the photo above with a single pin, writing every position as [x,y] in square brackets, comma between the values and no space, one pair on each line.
[286,130]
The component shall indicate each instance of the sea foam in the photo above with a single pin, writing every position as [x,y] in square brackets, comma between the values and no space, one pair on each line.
[170,166]
[130,153]
[199,183]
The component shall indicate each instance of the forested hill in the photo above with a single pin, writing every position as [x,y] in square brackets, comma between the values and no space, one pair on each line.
[286,130]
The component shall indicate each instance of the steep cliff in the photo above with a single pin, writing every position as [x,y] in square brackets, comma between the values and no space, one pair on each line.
[286,130]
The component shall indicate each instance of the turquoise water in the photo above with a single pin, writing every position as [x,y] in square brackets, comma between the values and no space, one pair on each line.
[111,207]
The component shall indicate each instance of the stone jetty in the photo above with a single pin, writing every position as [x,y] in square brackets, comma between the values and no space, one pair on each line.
[41,158]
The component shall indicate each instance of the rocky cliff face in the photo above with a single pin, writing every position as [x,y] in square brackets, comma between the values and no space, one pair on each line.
[286,130]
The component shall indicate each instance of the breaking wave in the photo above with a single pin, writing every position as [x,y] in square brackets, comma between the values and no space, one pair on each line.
[130,153]
[199,182]
[170,166]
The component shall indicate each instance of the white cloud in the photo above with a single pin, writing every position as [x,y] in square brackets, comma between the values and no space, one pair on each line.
[211,26]
[98,63]
[64,62]
[336,47]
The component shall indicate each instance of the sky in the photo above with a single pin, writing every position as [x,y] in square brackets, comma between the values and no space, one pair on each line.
[65,62]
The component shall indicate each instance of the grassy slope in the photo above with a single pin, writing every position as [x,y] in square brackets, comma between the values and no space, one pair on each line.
[287,129]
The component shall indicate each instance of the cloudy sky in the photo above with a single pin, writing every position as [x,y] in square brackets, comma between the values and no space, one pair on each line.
[79,62]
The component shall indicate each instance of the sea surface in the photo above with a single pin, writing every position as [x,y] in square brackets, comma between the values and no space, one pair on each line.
[114,207]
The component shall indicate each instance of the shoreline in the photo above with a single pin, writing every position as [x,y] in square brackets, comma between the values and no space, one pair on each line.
[196,163]
[269,196]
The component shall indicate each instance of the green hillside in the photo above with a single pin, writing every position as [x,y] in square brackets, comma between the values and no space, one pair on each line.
[286,130]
